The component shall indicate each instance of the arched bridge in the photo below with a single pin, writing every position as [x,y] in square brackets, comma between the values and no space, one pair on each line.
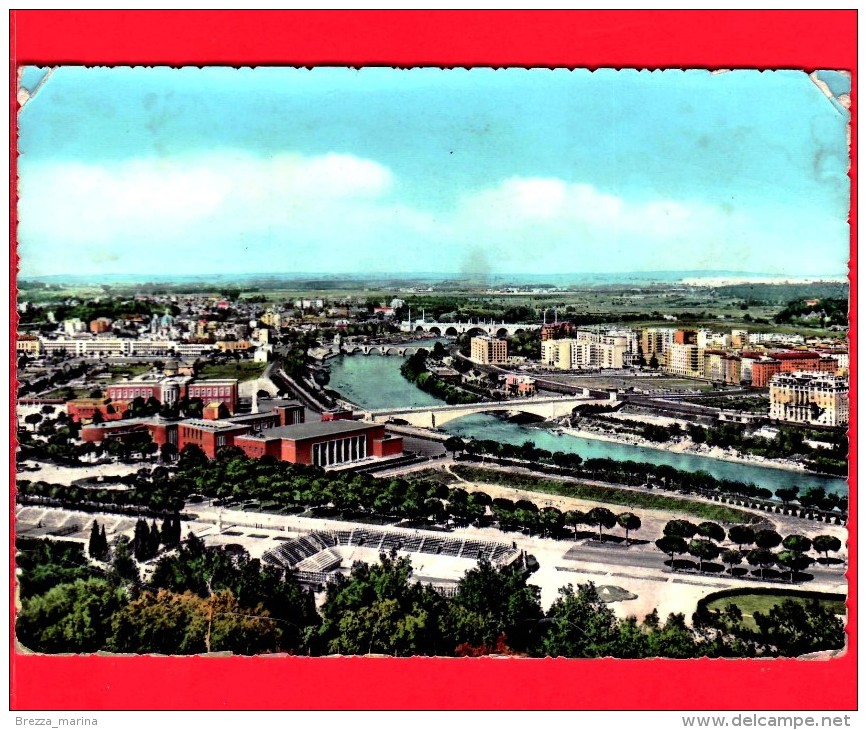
[400,350]
[548,408]
[453,329]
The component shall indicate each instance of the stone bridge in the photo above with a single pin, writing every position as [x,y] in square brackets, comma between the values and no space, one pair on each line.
[453,329]
[400,350]
[549,408]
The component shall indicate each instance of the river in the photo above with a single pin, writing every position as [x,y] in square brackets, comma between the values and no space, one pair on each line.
[374,381]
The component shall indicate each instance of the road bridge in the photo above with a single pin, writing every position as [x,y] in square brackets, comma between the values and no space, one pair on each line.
[549,408]
[399,350]
[453,329]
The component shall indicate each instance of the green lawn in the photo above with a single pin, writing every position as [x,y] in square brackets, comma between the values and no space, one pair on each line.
[243,370]
[606,495]
[749,603]
[132,370]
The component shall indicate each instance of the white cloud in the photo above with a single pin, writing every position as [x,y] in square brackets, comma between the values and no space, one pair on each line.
[232,211]
[104,203]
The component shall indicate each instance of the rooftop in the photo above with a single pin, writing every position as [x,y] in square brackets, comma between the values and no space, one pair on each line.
[315,429]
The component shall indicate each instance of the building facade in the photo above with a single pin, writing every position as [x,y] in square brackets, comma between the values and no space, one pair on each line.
[812,398]
[488,350]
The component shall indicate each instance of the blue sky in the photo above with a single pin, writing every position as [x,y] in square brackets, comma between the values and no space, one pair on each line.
[346,171]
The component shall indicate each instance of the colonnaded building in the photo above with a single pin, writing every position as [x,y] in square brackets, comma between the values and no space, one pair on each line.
[818,399]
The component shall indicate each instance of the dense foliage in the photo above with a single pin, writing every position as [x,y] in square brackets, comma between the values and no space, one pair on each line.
[415,370]
[213,600]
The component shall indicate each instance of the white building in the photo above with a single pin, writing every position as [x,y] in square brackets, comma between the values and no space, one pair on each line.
[818,399]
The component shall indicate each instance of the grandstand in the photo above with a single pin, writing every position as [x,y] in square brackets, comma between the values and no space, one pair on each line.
[317,556]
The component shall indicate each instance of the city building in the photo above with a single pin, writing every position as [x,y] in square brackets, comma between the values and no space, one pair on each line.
[100,325]
[557,330]
[561,354]
[817,399]
[169,389]
[790,361]
[520,385]
[83,410]
[684,360]
[281,433]
[740,339]
[685,337]
[656,341]
[488,350]
[28,345]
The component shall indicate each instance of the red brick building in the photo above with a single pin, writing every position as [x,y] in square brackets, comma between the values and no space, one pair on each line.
[327,443]
[557,330]
[85,409]
[170,390]
[790,362]
[685,337]
[100,325]
[281,433]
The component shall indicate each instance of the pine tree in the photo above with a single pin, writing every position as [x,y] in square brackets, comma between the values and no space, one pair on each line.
[103,544]
[167,532]
[154,541]
[141,541]
[93,544]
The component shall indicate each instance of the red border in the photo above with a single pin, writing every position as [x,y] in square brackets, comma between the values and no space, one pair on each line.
[721,39]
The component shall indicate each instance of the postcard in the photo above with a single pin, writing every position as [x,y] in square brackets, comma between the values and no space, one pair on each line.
[456,363]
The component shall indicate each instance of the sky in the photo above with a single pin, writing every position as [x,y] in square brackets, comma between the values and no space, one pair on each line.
[479,171]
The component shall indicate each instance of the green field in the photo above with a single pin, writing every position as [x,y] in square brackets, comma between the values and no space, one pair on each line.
[606,495]
[132,370]
[244,370]
[763,602]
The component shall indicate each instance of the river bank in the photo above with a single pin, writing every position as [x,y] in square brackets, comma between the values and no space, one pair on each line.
[376,382]
[686,446]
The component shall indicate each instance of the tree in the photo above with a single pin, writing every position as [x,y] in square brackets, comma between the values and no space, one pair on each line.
[674,639]
[671,544]
[575,518]
[603,517]
[813,497]
[69,618]
[742,535]
[172,623]
[377,610]
[33,419]
[551,520]
[679,528]
[654,362]
[768,539]
[191,456]
[97,546]
[703,550]
[732,558]
[123,565]
[826,543]
[794,561]
[454,444]
[141,542]
[491,604]
[628,521]
[794,628]
[712,531]
[760,557]
[787,494]
[797,543]
[168,452]
[579,624]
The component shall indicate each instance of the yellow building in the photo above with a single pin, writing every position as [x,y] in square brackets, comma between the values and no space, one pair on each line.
[28,345]
[815,398]
[685,361]
[488,350]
